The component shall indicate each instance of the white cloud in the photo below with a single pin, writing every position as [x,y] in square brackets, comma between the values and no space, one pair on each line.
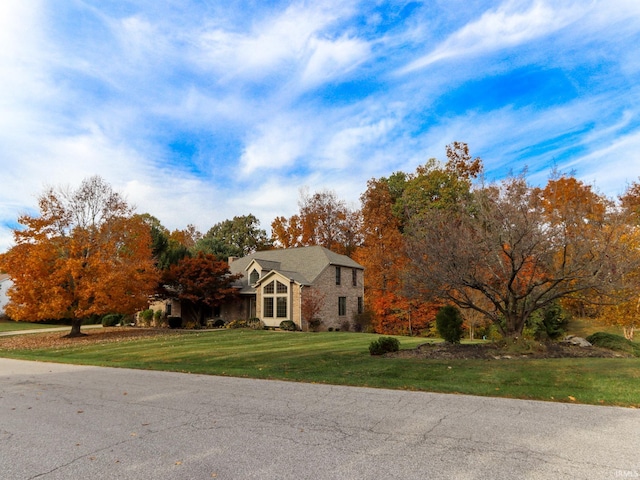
[278,144]
[347,144]
[332,59]
[506,26]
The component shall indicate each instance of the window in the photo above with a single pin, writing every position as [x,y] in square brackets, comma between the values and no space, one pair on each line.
[254,277]
[354,277]
[360,305]
[281,307]
[338,275]
[268,307]
[342,306]
[275,300]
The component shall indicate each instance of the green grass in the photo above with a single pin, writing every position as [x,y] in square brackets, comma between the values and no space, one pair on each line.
[343,359]
[10,326]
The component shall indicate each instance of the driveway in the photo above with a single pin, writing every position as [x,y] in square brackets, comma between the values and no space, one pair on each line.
[73,422]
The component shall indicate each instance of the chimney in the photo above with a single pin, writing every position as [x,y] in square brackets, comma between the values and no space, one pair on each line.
[232,259]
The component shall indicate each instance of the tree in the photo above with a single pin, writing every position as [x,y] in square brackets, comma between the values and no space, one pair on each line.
[382,254]
[238,237]
[312,304]
[520,250]
[202,282]
[84,255]
[387,206]
[627,314]
[165,249]
[449,324]
[323,220]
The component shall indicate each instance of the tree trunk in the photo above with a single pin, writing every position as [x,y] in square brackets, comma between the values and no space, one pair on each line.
[75,329]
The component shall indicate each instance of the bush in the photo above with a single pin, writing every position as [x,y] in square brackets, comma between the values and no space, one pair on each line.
[219,323]
[146,316]
[314,324]
[384,345]
[174,322]
[255,323]
[345,326]
[288,325]
[449,324]
[111,320]
[548,323]
[158,318]
[614,342]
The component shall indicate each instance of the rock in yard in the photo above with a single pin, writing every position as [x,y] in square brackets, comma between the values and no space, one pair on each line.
[579,341]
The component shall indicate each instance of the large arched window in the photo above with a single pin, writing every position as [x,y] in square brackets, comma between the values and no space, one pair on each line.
[275,296]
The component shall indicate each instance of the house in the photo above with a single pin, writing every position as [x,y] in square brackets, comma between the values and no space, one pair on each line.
[5,284]
[288,284]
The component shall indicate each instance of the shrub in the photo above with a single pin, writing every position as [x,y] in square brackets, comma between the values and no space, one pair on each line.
[174,322]
[255,323]
[219,323]
[614,342]
[111,320]
[345,326]
[384,345]
[158,318]
[548,323]
[288,325]
[449,324]
[315,324]
[146,316]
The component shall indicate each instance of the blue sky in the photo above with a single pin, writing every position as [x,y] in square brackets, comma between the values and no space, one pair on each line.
[201,110]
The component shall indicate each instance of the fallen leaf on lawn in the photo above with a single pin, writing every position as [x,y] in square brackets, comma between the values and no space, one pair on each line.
[178,462]
[573,399]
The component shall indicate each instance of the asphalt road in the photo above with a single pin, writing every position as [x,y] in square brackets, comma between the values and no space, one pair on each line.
[71,422]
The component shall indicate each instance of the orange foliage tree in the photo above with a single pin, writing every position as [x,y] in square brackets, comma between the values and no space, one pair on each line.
[626,314]
[382,255]
[388,206]
[323,220]
[84,255]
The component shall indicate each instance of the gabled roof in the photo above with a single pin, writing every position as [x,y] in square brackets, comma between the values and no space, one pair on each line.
[302,264]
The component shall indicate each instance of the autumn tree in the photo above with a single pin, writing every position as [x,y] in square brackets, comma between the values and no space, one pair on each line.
[387,206]
[323,220]
[237,237]
[626,314]
[187,237]
[201,283]
[166,249]
[505,243]
[85,254]
[313,301]
[383,257]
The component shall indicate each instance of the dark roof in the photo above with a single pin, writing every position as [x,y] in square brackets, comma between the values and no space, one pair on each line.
[302,264]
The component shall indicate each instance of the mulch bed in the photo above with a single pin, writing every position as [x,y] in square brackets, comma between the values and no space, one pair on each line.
[490,351]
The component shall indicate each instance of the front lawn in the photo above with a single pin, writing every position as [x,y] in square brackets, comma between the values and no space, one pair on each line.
[10,326]
[343,359]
